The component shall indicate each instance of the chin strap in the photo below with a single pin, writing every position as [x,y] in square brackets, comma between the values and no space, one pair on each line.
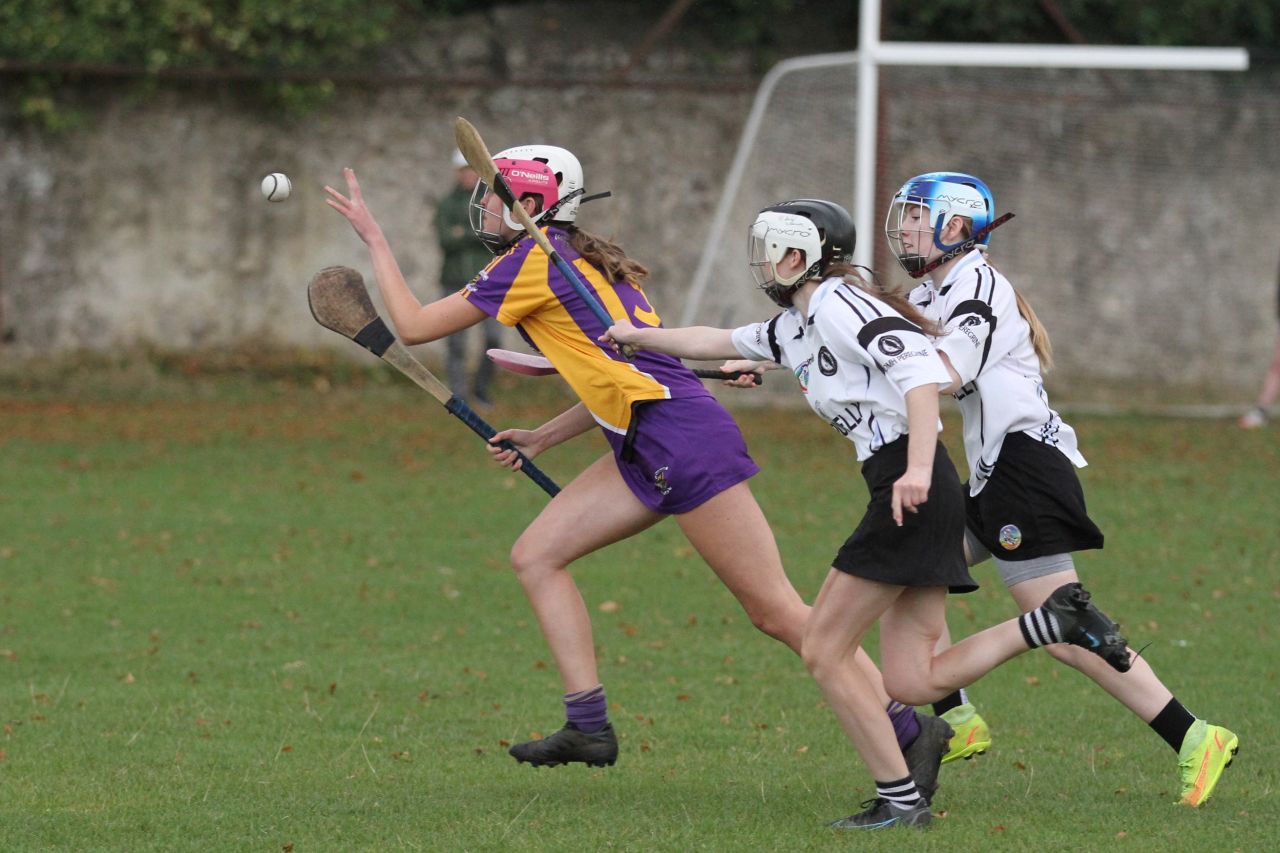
[550,214]
[960,248]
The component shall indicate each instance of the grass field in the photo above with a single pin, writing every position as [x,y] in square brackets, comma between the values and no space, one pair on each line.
[275,614]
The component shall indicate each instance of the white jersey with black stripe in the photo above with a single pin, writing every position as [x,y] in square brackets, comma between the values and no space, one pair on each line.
[989,344]
[855,358]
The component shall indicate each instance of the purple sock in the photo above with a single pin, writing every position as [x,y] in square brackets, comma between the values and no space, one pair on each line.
[588,710]
[905,724]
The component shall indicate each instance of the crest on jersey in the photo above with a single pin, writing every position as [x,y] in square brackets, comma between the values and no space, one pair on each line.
[802,375]
[660,480]
[891,345]
[826,362]
[1010,537]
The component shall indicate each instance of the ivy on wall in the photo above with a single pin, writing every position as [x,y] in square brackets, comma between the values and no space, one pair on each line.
[290,45]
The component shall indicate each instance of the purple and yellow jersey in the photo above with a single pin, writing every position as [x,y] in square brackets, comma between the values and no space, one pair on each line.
[522,288]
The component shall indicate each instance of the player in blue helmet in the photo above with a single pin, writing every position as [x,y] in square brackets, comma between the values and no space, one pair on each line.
[946,195]
[1025,503]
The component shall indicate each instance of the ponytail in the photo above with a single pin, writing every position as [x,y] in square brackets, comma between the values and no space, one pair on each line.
[1039,334]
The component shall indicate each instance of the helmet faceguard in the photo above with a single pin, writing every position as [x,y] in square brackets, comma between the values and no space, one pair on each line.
[925,205]
[548,173]
[822,230]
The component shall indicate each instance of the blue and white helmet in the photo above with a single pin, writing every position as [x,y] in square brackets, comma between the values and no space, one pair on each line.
[945,195]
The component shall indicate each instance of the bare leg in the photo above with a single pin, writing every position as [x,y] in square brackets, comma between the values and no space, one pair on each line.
[910,631]
[732,535]
[845,609]
[1139,689]
[595,510]
[1271,385]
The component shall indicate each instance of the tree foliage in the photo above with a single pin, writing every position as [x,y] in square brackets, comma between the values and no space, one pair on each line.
[58,39]
[289,39]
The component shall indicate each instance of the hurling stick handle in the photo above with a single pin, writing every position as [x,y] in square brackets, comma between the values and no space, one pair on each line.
[459,409]
[401,359]
[712,373]
[478,158]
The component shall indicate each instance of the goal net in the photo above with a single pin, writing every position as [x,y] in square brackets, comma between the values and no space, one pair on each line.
[1147,234]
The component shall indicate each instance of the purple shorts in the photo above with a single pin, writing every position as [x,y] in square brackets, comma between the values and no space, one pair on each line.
[683,453]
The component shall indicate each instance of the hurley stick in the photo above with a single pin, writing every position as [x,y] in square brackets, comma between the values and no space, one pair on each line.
[340,302]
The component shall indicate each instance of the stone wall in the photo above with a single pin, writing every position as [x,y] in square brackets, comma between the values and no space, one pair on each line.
[146,227]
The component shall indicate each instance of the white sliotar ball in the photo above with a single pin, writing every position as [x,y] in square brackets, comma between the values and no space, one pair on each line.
[276,186]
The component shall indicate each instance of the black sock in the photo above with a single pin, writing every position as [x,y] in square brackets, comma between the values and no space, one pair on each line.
[951,700]
[1172,724]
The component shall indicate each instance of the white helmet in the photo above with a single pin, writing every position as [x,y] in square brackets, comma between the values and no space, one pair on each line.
[568,173]
[551,174]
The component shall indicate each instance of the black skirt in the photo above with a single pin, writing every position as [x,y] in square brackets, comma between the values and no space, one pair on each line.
[1033,505]
[928,549]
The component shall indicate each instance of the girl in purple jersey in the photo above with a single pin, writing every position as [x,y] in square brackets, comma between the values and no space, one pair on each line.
[865,365]
[674,450]
[1025,503]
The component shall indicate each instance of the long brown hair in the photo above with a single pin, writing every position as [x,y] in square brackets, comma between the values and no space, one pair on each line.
[891,296]
[1039,334]
[606,256]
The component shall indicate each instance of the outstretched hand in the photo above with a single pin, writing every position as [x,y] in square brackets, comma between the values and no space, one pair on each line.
[352,206]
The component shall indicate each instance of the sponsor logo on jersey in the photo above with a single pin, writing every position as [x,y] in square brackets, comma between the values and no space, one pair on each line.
[826,362]
[1010,537]
[660,480]
[891,345]
[471,286]
[889,363]
[966,326]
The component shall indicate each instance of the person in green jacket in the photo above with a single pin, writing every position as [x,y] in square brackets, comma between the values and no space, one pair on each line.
[464,256]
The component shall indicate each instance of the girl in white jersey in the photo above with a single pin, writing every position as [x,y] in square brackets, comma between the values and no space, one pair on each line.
[1025,504]
[866,367]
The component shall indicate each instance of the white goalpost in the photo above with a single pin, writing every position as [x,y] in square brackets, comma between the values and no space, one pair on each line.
[1095,130]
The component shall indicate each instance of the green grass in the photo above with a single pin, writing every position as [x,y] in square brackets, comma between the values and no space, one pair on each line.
[243,615]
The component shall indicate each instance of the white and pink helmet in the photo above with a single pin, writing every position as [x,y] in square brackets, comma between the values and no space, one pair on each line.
[548,172]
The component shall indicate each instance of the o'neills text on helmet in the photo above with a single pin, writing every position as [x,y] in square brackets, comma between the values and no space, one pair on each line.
[528,176]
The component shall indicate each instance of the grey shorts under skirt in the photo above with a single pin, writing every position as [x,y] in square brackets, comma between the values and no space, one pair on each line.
[1014,572]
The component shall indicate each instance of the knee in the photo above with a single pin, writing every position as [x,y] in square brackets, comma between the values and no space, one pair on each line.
[910,689]
[777,623]
[528,560]
[816,656]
